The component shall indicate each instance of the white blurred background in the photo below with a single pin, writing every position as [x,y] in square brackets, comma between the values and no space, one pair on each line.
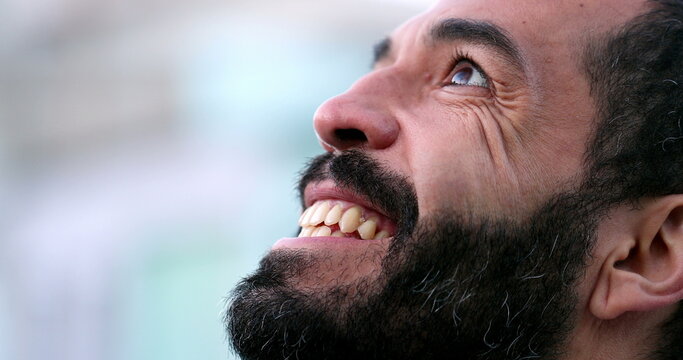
[149,152]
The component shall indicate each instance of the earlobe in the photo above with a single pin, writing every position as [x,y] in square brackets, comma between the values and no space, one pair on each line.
[644,269]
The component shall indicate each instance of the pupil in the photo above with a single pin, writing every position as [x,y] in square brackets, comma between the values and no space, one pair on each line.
[463,76]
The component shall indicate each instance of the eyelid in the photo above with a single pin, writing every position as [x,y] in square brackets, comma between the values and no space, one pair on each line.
[467,61]
[461,56]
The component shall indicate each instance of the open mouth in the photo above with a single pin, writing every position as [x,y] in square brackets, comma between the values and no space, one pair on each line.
[344,219]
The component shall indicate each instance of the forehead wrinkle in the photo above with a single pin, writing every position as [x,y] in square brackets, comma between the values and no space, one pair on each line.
[479,33]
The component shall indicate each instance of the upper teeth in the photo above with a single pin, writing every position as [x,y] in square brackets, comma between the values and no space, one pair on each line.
[336,218]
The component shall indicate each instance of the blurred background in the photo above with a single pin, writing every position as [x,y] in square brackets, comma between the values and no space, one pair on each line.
[149,152]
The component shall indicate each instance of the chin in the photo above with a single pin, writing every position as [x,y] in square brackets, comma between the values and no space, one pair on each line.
[453,286]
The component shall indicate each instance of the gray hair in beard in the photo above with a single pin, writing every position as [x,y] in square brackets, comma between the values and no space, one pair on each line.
[452,287]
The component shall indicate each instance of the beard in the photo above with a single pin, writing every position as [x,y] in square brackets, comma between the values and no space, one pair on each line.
[449,287]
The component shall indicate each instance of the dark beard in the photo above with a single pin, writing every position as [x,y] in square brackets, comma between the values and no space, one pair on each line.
[449,288]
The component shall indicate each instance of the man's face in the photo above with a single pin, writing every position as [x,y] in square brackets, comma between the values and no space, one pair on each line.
[462,151]
[488,117]
[513,126]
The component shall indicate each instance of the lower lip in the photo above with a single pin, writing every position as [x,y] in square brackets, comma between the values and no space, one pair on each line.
[321,242]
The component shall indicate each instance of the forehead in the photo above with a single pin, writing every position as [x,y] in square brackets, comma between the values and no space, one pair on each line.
[554,27]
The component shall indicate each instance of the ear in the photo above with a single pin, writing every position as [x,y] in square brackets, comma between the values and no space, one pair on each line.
[643,269]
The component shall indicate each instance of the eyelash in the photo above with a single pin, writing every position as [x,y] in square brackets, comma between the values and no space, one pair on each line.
[457,58]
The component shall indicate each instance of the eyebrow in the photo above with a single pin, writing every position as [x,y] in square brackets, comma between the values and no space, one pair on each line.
[470,31]
[480,33]
[381,50]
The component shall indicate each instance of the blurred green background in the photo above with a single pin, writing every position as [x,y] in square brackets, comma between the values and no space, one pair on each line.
[148,156]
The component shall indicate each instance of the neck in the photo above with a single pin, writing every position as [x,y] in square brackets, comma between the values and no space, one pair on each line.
[629,336]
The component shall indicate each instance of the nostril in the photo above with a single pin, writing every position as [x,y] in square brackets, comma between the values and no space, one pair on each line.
[350,136]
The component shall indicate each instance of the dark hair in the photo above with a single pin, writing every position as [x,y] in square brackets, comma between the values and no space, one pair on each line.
[636,76]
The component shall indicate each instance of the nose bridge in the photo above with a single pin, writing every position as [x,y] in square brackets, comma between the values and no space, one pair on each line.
[364,115]
[379,82]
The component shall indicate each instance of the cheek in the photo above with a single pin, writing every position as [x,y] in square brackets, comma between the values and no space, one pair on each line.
[456,160]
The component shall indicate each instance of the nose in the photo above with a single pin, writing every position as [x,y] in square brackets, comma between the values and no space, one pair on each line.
[360,117]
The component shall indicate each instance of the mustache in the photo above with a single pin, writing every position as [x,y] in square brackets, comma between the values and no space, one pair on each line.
[355,171]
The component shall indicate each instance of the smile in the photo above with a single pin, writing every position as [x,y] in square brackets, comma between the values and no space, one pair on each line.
[340,218]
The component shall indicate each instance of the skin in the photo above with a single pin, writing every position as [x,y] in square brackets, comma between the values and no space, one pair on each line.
[500,150]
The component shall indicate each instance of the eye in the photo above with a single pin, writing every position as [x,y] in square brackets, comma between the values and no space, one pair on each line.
[467,74]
